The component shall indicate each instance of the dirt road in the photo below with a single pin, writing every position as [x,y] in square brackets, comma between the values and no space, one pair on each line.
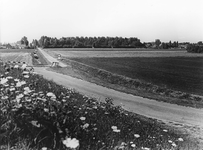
[143,106]
[169,113]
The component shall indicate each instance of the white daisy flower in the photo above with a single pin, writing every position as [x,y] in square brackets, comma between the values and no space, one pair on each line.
[26,76]
[82,118]
[174,144]
[117,130]
[71,143]
[16,66]
[44,148]
[3,81]
[9,77]
[170,141]
[136,135]
[85,126]
[114,127]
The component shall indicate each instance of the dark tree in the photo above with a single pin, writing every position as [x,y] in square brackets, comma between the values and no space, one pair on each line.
[24,41]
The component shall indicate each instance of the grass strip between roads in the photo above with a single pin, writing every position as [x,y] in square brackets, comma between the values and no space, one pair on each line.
[128,85]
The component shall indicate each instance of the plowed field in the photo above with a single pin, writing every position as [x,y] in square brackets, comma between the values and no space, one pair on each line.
[17,57]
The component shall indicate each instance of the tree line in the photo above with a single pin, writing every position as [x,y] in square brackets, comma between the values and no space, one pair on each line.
[88,42]
[195,48]
[107,42]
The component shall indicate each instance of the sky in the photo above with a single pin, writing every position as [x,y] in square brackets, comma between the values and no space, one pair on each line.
[175,20]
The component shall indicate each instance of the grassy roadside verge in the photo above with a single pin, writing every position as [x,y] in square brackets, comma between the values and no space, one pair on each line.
[40,61]
[36,113]
[128,85]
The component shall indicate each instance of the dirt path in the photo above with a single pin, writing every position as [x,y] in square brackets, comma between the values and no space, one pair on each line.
[190,119]
[143,106]
[50,58]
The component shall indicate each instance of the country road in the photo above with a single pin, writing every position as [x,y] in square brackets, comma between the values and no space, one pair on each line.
[150,108]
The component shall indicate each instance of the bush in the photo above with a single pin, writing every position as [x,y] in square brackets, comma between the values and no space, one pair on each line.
[192,48]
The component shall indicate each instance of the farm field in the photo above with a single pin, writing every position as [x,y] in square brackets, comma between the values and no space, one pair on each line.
[177,73]
[17,57]
[111,49]
[120,53]
[23,55]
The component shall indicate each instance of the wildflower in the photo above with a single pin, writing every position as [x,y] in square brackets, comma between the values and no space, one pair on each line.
[71,143]
[136,135]
[26,88]
[145,148]
[82,118]
[34,72]
[95,107]
[180,139]
[114,127]
[16,67]
[46,110]
[4,97]
[133,145]
[26,76]
[6,85]
[25,72]
[85,126]
[165,130]
[18,105]
[170,141]
[117,130]
[35,123]
[28,100]
[9,77]
[19,96]
[44,148]
[16,80]
[4,80]
[20,83]
[12,89]
[24,66]
[52,95]
[174,144]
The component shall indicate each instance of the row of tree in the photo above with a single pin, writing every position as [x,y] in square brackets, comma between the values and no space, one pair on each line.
[195,48]
[162,45]
[106,42]
[88,42]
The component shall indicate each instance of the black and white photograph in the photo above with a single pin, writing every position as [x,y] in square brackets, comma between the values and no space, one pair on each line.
[101,75]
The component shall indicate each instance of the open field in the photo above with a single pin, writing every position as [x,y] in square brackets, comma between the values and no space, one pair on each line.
[23,55]
[17,57]
[37,113]
[112,49]
[73,54]
[16,50]
[178,73]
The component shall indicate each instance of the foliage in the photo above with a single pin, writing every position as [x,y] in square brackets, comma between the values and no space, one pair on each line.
[50,116]
[24,41]
[90,42]
[194,48]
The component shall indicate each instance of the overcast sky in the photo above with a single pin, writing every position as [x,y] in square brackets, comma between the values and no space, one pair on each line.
[176,20]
